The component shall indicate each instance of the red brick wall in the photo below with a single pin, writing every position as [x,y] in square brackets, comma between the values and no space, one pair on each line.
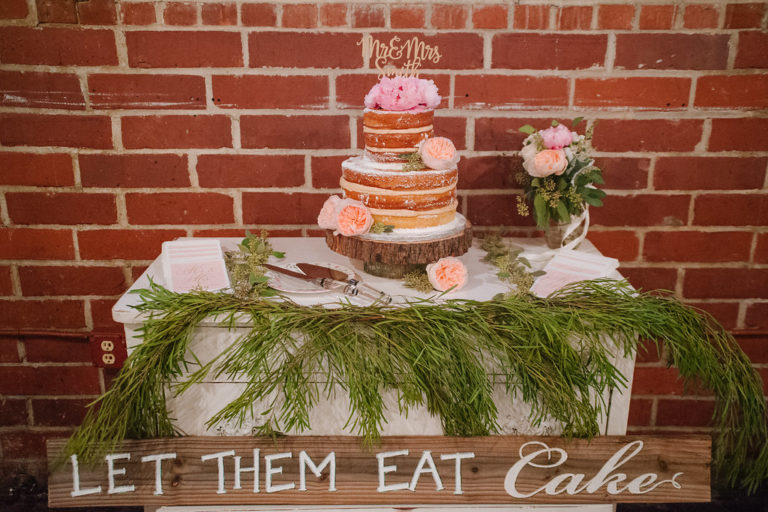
[126,123]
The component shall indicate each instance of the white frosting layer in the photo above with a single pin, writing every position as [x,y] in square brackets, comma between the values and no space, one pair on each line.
[389,150]
[364,189]
[363,164]
[414,213]
[411,235]
[397,131]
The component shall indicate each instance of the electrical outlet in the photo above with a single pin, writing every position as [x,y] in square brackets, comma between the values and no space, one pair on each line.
[108,350]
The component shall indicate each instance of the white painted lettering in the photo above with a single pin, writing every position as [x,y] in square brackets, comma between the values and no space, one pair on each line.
[305,461]
[383,470]
[254,468]
[426,458]
[111,472]
[158,459]
[458,457]
[269,471]
[219,456]
[76,490]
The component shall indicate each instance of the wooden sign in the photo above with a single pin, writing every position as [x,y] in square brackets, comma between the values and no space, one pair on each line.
[428,470]
[398,57]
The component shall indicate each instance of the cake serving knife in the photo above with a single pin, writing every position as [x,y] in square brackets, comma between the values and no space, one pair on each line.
[353,286]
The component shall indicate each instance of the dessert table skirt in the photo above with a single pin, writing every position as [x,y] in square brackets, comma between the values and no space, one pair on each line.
[192,409]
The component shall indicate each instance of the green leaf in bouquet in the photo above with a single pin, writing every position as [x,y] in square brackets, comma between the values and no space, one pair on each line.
[562,184]
[554,122]
[562,212]
[278,254]
[536,182]
[526,128]
[593,201]
[257,279]
[540,211]
[576,121]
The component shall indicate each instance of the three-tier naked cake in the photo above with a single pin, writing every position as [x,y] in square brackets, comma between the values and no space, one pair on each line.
[399,205]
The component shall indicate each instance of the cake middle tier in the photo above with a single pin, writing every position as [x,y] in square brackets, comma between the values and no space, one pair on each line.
[389,134]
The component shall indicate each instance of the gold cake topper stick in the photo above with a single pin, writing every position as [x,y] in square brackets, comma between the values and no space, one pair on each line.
[398,57]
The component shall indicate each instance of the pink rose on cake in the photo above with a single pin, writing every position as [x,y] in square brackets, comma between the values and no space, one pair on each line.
[326,219]
[447,273]
[438,153]
[402,93]
[556,137]
[345,216]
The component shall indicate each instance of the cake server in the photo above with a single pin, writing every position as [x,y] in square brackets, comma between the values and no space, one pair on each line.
[353,286]
[328,284]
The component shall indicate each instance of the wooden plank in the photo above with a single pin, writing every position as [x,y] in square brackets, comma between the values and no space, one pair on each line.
[501,470]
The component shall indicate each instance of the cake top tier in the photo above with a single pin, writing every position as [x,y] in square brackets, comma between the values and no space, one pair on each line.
[403,93]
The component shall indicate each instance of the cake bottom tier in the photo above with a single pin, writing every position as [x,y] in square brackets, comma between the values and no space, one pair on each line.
[416,219]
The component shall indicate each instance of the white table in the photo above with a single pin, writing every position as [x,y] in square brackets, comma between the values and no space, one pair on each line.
[193,408]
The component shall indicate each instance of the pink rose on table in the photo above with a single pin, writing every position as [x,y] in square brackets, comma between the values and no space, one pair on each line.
[353,218]
[556,137]
[438,153]
[548,162]
[447,273]
[327,217]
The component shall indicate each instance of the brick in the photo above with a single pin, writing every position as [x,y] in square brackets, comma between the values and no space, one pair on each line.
[40,90]
[701,16]
[639,412]
[259,15]
[250,171]
[671,51]
[134,171]
[755,346]
[531,17]
[56,11]
[326,171]
[644,278]
[655,380]
[661,93]
[269,207]
[56,349]
[647,135]
[270,92]
[59,413]
[333,15]
[449,16]
[751,50]
[240,232]
[179,208]
[731,210]
[761,251]
[32,314]
[351,89]
[101,315]
[23,444]
[622,245]
[505,92]
[300,132]
[142,13]
[493,16]
[656,17]
[709,173]
[455,128]
[487,172]
[58,280]
[495,210]
[309,50]
[684,413]
[49,380]
[726,313]
[180,13]
[757,316]
[624,173]
[642,210]
[458,50]
[36,169]
[746,134]
[219,14]
[732,92]
[9,349]
[697,246]
[193,131]
[574,17]
[61,208]
[563,51]
[13,10]
[117,91]
[365,16]
[615,17]
[649,351]
[57,46]
[36,244]
[299,15]
[96,12]
[184,49]
[407,16]
[744,15]
[127,244]
[13,412]
[725,283]
[6,284]
[56,130]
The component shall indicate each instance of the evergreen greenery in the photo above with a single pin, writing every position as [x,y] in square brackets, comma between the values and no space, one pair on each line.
[445,356]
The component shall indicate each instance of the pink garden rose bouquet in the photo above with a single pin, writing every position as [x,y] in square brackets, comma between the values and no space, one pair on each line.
[559,175]
[401,93]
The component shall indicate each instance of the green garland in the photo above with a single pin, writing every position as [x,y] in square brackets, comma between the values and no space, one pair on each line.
[435,355]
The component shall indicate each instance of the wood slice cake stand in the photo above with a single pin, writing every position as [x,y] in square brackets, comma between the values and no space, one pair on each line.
[393,255]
